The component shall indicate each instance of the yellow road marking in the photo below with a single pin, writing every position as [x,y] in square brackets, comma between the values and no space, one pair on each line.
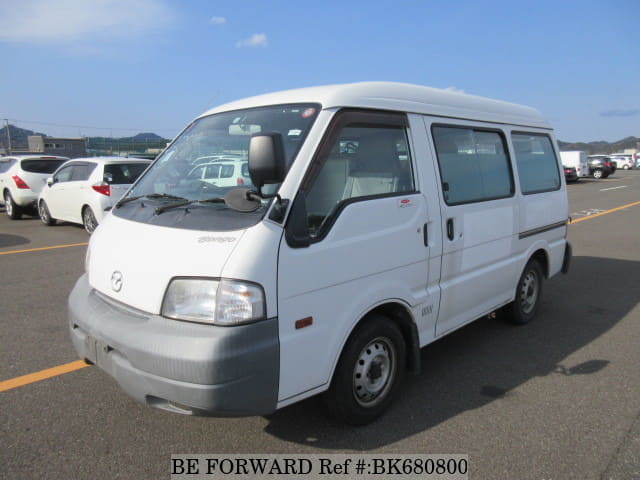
[604,213]
[44,248]
[41,375]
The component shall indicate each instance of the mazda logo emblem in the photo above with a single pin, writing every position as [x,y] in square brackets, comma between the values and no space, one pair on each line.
[116,281]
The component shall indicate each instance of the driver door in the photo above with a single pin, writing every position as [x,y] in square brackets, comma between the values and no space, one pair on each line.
[365,218]
[56,194]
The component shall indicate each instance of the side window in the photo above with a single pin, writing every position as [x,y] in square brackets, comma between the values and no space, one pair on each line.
[474,165]
[64,175]
[212,171]
[360,160]
[226,171]
[82,172]
[537,163]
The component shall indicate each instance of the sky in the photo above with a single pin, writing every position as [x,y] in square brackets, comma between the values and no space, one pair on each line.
[120,67]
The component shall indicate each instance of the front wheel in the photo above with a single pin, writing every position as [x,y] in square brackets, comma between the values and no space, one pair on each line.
[13,210]
[89,220]
[369,372]
[45,215]
[597,173]
[528,294]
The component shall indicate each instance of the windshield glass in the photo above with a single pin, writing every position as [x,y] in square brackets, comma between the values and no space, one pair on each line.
[210,157]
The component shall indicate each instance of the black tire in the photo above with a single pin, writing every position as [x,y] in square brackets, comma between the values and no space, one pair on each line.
[597,173]
[44,214]
[14,211]
[369,372]
[89,220]
[528,294]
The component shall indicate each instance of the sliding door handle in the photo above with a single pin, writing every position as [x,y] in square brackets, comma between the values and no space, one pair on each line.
[450,229]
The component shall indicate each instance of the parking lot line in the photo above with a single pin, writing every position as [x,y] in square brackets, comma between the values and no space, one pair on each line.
[605,212]
[44,248]
[41,375]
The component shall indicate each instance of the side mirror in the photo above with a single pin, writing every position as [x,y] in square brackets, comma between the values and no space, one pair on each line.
[266,160]
[50,181]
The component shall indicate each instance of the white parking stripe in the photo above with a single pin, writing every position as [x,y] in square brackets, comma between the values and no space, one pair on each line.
[612,188]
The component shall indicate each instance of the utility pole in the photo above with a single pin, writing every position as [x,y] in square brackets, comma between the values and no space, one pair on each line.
[8,134]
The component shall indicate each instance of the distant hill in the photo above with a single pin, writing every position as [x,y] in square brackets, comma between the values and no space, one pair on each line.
[139,142]
[601,146]
[147,137]
[19,136]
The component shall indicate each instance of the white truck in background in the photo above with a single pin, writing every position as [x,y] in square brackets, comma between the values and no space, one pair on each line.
[577,159]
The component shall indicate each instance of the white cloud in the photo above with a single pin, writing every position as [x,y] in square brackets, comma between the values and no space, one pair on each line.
[454,89]
[66,20]
[255,40]
[218,20]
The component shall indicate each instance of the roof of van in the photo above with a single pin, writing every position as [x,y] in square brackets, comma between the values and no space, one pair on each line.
[399,97]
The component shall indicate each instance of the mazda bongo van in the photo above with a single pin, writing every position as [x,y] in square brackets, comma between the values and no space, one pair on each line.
[376,219]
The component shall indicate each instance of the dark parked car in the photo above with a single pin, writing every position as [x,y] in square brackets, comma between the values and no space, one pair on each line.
[600,167]
[570,174]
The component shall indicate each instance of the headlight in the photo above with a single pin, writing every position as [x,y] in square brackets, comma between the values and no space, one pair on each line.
[219,302]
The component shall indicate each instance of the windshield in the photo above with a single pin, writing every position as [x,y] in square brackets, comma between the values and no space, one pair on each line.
[211,155]
[186,185]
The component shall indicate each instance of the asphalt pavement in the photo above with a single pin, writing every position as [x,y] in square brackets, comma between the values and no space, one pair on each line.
[556,399]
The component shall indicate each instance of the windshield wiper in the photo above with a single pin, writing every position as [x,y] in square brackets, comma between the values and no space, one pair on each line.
[168,206]
[122,201]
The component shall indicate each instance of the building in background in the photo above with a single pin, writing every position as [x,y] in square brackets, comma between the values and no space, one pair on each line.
[65,147]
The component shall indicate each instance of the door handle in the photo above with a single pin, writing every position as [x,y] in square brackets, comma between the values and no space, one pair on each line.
[450,229]
[425,233]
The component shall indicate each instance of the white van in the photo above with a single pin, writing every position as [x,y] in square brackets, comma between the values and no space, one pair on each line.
[379,218]
[576,159]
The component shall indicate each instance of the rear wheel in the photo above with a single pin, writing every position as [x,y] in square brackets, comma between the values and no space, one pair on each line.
[89,220]
[45,215]
[368,373]
[13,210]
[528,295]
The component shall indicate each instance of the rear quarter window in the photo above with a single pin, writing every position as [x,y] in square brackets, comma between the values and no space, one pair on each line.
[40,166]
[123,173]
[537,163]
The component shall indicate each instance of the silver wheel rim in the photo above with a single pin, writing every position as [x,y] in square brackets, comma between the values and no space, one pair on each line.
[529,291]
[597,174]
[7,205]
[374,372]
[43,213]
[89,220]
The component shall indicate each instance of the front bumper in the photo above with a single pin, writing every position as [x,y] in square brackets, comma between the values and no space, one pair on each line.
[178,366]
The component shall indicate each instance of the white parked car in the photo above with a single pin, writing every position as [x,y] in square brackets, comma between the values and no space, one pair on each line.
[625,162]
[21,179]
[83,190]
[222,173]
